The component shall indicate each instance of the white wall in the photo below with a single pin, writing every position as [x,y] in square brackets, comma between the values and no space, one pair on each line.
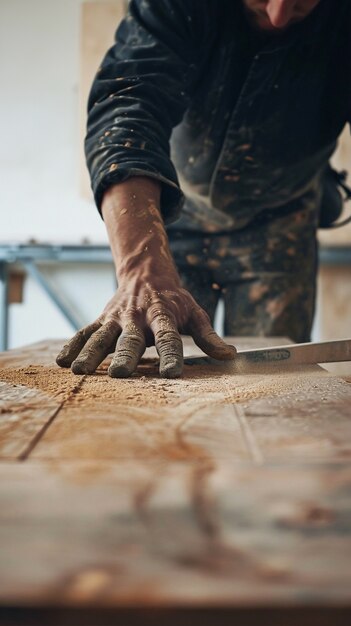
[39,180]
[39,160]
[39,68]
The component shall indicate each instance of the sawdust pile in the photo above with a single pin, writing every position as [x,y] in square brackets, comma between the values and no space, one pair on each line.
[57,383]
[200,385]
[194,419]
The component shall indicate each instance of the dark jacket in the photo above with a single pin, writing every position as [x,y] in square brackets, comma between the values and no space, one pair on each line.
[255,118]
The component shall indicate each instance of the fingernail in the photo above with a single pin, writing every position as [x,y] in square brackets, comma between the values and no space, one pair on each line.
[63,361]
[171,370]
[80,367]
[119,371]
[230,345]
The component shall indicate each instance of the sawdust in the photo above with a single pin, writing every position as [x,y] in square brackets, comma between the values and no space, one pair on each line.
[201,385]
[180,420]
[57,383]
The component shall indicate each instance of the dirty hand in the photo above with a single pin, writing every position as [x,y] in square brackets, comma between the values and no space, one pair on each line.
[131,321]
[134,319]
[150,306]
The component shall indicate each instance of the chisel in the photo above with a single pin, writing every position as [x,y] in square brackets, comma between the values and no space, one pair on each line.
[294,354]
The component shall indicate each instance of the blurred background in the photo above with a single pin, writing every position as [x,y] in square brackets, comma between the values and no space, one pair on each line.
[55,263]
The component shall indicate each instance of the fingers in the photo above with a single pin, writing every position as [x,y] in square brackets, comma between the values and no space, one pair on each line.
[71,349]
[207,339]
[96,349]
[168,345]
[130,348]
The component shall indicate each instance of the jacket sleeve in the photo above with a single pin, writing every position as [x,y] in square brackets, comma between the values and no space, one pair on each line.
[140,94]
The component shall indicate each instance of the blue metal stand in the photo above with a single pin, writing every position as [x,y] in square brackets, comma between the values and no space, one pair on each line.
[31,257]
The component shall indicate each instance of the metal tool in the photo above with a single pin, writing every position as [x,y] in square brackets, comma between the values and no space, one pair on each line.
[294,354]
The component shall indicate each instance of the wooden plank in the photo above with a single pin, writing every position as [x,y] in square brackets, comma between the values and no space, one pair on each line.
[309,421]
[300,414]
[30,398]
[295,414]
[24,413]
[136,534]
[224,489]
[40,389]
[40,353]
[145,417]
[17,277]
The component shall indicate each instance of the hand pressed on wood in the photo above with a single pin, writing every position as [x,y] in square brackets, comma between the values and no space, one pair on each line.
[131,322]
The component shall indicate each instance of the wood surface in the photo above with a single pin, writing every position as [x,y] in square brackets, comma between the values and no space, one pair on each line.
[223,497]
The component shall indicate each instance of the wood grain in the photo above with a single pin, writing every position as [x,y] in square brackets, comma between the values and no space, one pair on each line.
[23,415]
[145,501]
[126,534]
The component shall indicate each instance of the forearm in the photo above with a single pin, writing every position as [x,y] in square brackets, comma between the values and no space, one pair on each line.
[139,243]
[140,93]
[149,306]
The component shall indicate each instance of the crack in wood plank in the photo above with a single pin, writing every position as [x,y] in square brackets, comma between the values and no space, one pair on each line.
[248,435]
[40,434]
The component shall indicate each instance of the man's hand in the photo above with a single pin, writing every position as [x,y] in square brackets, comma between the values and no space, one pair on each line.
[150,306]
[131,321]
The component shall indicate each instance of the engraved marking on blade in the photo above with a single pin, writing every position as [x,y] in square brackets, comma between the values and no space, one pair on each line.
[268,355]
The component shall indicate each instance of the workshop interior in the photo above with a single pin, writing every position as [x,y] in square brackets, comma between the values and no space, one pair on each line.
[138,487]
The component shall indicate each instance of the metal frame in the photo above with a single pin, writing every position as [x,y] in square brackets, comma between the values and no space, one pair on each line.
[29,255]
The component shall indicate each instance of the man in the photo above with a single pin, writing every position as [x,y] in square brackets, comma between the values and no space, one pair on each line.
[254,94]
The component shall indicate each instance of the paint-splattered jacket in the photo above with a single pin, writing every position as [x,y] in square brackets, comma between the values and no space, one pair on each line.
[255,121]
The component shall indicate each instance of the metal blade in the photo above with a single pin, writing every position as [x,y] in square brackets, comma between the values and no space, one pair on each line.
[294,354]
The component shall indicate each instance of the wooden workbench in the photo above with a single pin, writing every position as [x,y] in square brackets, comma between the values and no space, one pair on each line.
[220,498]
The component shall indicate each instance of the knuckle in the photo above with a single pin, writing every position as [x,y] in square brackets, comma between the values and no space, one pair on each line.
[132,332]
[77,339]
[166,337]
[110,325]
[87,331]
[163,320]
[157,312]
[170,348]
[210,334]
[129,314]
[202,315]
[128,350]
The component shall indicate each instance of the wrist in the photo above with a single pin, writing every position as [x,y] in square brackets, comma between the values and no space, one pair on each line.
[138,239]
[136,275]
